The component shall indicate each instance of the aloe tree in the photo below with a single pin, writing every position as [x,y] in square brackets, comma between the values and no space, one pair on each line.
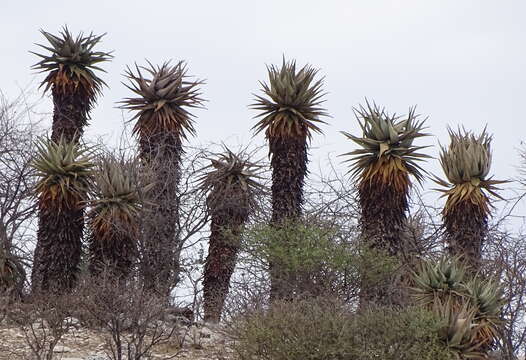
[70,66]
[382,166]
[64,171]
[232,187]
[113,219]
[162,102]
[290,111]
[466,164]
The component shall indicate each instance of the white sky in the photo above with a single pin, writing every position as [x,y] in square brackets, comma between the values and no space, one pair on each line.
[462,62]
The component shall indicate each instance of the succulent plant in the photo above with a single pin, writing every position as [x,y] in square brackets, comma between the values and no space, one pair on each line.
[291,102]
[381,167]
[231,178]
[290,111]
[386,145]
[469,306]
[466,163]
[65,177]
[65,173]
[72,61]
[71,66]
[12,275]
[446,277]
[232,187]
[117,199]
[459,328]
[162,99]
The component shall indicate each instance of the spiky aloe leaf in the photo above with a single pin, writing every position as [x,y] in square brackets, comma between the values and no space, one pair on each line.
[451,292]
[486,297]
[466,164]
[72,61]
[162,99]
[231,179]
[65,173]
[386,144]
[459,328]
[432,280]
[116,197]
[291,102]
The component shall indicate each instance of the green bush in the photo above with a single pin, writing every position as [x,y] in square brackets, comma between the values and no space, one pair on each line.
[321,329]
[391,334]
[312,260]
[296,330]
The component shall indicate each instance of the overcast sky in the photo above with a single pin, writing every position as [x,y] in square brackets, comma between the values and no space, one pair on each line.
[462,62]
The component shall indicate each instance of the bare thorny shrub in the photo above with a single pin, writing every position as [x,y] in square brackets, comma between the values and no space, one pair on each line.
[18,131]
[43,320]
[505,260]
[133,321]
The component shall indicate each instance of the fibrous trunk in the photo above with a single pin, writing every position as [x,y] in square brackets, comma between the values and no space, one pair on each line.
[466,227]
[289,169]
[58,251]
[221,260]
[383,222]
[114,256]
[383,217]
[160,245]
[70,113]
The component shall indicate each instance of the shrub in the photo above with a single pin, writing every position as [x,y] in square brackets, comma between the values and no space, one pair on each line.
[43,320]
[296,330]
[391,334]
[322,329]
[132,319]
[311,260]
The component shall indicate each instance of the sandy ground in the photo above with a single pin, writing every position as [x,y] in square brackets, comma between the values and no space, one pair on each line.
[195,342]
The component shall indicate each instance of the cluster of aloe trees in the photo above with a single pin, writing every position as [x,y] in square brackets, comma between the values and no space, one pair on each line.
[131,207]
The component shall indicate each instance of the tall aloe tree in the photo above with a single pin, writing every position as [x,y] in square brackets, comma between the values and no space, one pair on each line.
[382,167]
[162,102]
[466,164]
[231,182]
[290,111]
[71,65]
[113,219]
[65,175]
